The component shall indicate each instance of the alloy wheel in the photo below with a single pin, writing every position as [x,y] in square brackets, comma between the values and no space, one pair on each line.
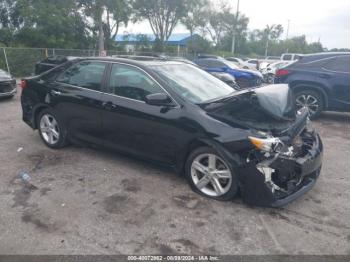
[309,102]
[211,175]
[49,129]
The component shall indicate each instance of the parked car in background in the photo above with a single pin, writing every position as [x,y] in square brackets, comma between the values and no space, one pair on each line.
[223,141]
[269,72]
[241,63]
[252,64]
[226,78]
[244,78]
[319,81]
[291,57]
[51,62]
[7,84]
[199,56]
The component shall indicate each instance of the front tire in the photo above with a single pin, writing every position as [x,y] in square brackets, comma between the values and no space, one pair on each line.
[210,175]
[311,100]
[51,130]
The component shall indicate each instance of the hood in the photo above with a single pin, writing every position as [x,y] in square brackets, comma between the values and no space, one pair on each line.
[268,108]
[4,76]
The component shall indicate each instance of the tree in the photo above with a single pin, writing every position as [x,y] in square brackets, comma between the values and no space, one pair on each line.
[107,16]
[222,24]
[196,16]
[272,32]
[118,12]
[162,15]
[41,23]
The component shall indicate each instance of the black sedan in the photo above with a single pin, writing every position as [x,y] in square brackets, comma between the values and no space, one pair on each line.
[7,84]
[223,140]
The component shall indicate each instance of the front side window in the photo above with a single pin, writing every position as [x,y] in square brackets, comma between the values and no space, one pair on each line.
[192,83]
[131,82]
[87,74]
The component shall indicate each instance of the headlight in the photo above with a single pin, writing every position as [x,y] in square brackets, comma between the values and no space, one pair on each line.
[271,144]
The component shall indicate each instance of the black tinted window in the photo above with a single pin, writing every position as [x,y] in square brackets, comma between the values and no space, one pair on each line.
[216,63]
[87,74]
[339,64]
[254,62]
[131,82]
[287,57]
[203,63]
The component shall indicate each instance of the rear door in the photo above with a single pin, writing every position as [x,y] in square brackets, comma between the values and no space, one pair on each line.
[76,96]
[131,125]
[337,73]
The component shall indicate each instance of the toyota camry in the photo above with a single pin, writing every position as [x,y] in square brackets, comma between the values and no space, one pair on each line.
[252,142]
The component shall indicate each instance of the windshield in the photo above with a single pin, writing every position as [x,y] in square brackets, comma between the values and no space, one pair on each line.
[231,64]
[192,83]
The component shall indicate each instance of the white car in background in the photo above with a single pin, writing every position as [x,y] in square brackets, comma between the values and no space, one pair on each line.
[249,64]
[290,57]
[269,72]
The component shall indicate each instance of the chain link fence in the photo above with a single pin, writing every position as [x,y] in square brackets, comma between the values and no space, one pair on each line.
[21,62]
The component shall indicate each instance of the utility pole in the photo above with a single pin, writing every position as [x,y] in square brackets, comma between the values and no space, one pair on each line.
[287,29]
[101,45]
[287,34]
[235,30]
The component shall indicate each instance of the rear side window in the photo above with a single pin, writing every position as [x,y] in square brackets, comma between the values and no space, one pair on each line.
[339,64]
[254,62]
[131,82]
[202,63]
[216,64]
[287,57]
[233,60]
[87,74]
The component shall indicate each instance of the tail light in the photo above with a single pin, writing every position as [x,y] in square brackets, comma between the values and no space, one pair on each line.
[23,84]
[282,72]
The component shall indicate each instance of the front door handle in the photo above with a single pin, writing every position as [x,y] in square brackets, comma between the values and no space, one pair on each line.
[109,105]
[55,93]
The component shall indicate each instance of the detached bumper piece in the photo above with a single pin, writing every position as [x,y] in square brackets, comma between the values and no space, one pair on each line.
[282,179]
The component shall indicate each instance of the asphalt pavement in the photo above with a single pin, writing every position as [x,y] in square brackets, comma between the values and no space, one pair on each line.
[91,201]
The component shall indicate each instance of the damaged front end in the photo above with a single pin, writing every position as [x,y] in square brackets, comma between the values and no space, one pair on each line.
[289,169]
[282,156]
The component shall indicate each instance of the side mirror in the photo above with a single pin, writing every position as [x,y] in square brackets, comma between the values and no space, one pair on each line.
[158,99]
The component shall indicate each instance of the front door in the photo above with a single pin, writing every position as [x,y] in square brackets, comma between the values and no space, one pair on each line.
[132,125]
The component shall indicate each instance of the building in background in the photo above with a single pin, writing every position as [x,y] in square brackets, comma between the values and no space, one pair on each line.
[181,41]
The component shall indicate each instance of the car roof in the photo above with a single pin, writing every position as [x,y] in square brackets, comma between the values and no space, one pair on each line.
[153,61]
[320,56]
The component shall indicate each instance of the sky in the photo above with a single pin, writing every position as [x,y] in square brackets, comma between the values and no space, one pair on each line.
[326,20]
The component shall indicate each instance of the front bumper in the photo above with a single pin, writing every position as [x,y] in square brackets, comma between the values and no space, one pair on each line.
[258,191]
[8,88]
[10,93]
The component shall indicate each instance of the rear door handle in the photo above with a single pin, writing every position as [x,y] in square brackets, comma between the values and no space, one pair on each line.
[55,93]
[109,105]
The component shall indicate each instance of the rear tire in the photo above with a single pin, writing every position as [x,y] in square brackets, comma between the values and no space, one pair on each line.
[310,99]
[210,175]
[51,129]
